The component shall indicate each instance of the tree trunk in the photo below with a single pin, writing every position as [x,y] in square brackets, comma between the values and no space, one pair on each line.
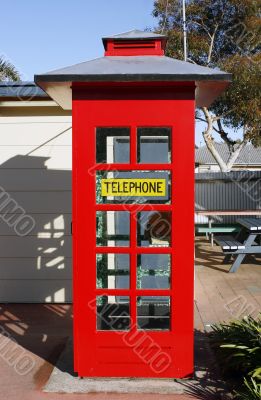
[209,140]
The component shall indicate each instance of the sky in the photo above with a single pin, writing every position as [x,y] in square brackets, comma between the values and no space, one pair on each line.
[39,36]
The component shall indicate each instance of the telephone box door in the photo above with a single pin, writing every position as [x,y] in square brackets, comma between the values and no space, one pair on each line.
[133,234]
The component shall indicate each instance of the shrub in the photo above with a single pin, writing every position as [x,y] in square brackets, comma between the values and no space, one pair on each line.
[238,349]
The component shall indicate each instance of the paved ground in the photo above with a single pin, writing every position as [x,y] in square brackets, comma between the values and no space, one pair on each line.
[38,333]
[220,296]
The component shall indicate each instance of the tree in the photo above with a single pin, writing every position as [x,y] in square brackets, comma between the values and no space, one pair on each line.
[7,71]
[222,34]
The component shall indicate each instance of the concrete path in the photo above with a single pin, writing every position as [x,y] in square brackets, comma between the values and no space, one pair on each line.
[205,385]
[33,350]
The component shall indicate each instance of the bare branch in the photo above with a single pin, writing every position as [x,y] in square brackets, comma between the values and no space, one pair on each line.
[166,17]
[209,140]
[192,61]
[224,115]
[210,143]
[212,38]
[205,27]
[224,136]
[202,26]
[203,120]
[234,155]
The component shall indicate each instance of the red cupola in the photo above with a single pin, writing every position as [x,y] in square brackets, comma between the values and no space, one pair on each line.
[135,43]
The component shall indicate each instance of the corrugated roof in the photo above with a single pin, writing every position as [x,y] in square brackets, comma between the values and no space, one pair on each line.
[21,90]
[250,155]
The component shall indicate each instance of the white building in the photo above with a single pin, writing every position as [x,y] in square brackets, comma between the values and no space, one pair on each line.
[35,172]
[35,180]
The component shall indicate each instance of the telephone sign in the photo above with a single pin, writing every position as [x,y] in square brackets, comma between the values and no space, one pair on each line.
[134,187]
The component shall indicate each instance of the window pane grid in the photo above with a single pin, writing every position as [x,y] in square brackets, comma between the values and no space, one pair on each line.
[150,312]
[154,145]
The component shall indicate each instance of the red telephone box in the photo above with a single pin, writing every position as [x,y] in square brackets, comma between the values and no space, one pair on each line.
[133,204]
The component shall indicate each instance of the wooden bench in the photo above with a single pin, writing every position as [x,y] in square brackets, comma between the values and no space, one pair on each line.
[229,244]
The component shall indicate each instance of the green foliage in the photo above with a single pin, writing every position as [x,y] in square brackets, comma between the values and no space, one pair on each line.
[251,390]
[241,102]
[235,25]
[7,71]
[238,349]
[222,34]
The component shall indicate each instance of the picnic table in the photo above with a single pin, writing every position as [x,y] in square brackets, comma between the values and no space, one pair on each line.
[210,230]
[247,241]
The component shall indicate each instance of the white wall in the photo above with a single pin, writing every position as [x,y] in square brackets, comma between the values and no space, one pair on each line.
[36,267]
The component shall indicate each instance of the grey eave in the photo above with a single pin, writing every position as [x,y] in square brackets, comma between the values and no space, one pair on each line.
[122,68]
[134,69]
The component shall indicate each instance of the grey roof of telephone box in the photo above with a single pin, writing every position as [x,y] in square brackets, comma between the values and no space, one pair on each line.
[209,82]
[135,34]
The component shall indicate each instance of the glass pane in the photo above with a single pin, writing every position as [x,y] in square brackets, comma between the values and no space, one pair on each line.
[154,145]
[133,187]
[153,313]
[113,313]
[113,228]
[153,271]
[154,229]
[113,145]
[112,271]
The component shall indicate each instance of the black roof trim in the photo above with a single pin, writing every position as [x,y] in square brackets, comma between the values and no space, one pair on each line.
[133,77]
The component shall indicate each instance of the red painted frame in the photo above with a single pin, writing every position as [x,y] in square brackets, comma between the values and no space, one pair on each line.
[100,353]
[135,47]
